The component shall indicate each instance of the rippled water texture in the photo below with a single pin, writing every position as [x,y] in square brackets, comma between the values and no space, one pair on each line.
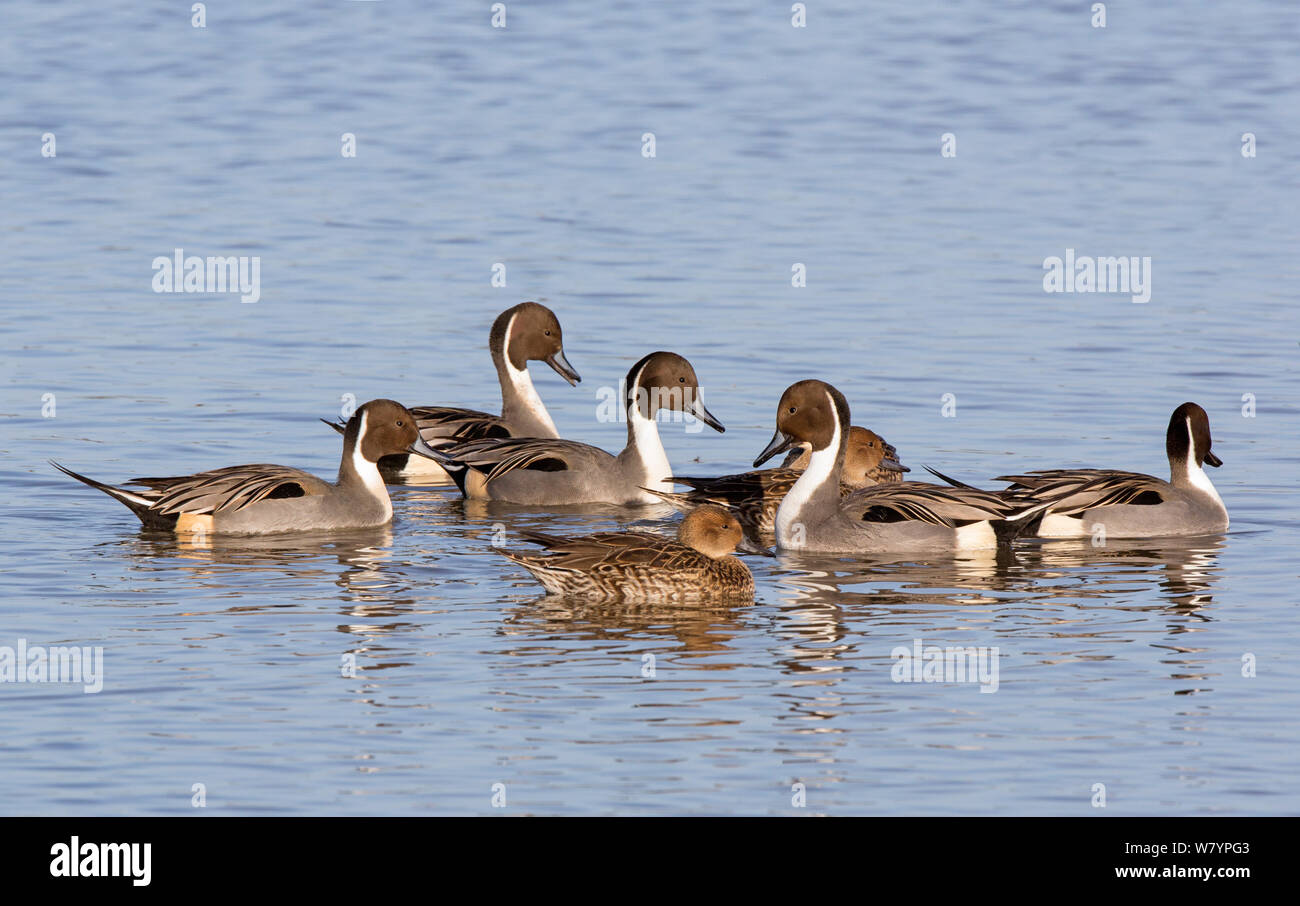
[774,146]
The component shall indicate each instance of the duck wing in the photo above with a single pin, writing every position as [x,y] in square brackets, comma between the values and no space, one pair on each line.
[446,424]
[497,456]
[644,550]
[1072,491]
[730,489]
[441,425]
[918,501]
[230,488]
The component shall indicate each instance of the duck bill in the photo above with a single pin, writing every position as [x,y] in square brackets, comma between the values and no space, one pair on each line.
[749,547]
[893,465]
[779,444]
[420,448]
[697,409]
[562,367]
[1212,460]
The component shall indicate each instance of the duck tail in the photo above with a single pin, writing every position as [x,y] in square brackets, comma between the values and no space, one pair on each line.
[337,426]
[1025,520]
[682,503]
[458,471]
[1028,509]
[952,481]
[136,503]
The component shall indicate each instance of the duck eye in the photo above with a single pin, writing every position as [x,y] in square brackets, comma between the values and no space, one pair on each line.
[548,333]
[681,380]
[792,408]
[399,423]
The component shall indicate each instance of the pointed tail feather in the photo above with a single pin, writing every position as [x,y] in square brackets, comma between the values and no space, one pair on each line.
[341,428]
[952,481]
[135,502]
[458,470]
[1024,521]
[683,503]
[1029,509]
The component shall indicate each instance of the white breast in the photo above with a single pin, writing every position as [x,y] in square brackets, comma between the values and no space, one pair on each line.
[821,466]
[656,472]
[523,384]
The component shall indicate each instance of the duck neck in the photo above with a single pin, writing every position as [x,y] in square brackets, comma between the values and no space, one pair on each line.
[816,492]
[1186,475]
[521,408]
[1184,472]
[645,450]
[358,473]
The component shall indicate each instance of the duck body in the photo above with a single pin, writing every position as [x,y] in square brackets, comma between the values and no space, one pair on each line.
[1083,503]
[264,499]
[755,496]
[524,333]
[642,566]
[556,472]
[814,516]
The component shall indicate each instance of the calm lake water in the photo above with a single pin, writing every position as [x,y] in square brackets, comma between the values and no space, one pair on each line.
[774,146]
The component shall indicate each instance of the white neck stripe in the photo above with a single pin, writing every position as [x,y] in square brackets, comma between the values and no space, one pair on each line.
[366,470]
[820,470]
[656,471]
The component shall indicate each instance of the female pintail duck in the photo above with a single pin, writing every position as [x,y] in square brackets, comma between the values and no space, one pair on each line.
[755,496]
[903,516]
[545,472]
[1130,504]
[529,332]
[640,566]
[264,499]
[870,460]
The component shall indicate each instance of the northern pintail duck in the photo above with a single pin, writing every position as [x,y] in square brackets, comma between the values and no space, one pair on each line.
[755,496]
[1130,504]
[265,499]
[640,566]
[904,516]
[545,471]
[870,460]
[528,332]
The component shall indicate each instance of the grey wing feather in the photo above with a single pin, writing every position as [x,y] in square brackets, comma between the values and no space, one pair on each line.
[610,549]
[495,457]
[445,424]
[922,502]
[1073,491]
[231,488]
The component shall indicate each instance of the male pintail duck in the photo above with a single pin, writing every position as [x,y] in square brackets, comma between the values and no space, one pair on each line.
[1130,504]
[546,471]
[640,566]
[529,332]
[904,516]
[264,499]
[755,496]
